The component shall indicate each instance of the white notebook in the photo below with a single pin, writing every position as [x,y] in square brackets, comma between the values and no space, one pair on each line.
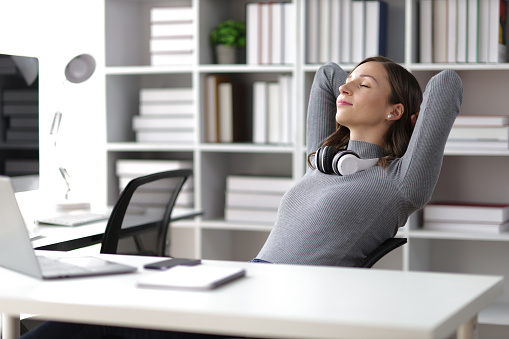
[199,277]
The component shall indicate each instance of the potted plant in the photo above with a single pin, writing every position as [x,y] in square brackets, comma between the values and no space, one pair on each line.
[228,37]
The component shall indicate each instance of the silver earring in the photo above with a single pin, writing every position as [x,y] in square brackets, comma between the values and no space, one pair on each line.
[389,116]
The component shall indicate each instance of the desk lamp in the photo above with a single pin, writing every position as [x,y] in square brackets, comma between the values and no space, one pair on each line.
[78,70]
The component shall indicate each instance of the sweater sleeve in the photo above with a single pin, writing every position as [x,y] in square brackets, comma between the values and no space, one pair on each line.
[418,170]
[321,118]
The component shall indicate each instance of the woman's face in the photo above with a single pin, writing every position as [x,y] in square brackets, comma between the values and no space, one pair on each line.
[362,104]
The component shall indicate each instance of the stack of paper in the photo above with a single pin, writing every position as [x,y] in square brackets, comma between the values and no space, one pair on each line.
[128,169]
[166,115]
[172,36]
[466,217]
[479,132]
[254,199]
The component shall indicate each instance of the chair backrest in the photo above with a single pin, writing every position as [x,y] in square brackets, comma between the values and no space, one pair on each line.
[145,202]
[379,252]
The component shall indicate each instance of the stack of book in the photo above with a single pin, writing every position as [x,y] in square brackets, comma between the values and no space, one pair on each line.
[479,132]
[166,115]
[172,40]
[466,217]
[17,167]
[272,111]
[345,31]
[463,31]
[225,120]
[128,169]
[270,33]
[20,109]
[254,199]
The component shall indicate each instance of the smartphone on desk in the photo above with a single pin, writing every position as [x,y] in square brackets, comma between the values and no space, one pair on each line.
[168,263]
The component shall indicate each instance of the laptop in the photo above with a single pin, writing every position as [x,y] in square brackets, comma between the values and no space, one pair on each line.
[17,253]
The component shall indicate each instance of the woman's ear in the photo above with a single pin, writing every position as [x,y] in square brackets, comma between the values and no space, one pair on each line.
[397,111]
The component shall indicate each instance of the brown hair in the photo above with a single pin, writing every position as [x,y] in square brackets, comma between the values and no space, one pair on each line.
[405,90]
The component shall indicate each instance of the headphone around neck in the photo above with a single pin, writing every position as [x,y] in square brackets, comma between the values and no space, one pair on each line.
[330,160]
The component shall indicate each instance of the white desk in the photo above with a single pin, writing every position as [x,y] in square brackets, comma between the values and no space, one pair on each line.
[69,238]
[272,301]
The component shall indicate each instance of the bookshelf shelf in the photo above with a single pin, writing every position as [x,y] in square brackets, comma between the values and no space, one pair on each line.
[210,236]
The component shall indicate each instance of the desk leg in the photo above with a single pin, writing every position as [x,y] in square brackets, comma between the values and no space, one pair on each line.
[468,330]
[10,326]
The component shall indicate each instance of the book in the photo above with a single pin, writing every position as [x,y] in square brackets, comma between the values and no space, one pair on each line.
[250,215]
[9,94]
[476,145]
[285,83]
[253,200]
[472,30]
[260,184]
[358,30]
[484,31]
[492,228]
[376,28]
[22,135]
[139,167]
[166,14]
[439,31]
[266,33]
[166,94]
[335,31]
[253,42]
[452,30]
[277,32]
[225,99]
[196,277]
[10,108]
[158,122]
[167,108]
[461,44]
[466,212]
[346,31]
[324,30]
[260,102]
[289,33]
[274,113]
[497,44]
[481,120]
[178,136]
[172,45]
[172,29]
[312,38]
[15,167]
[169,59]
[24,122]
[500,133]
[426,31]
[211,128]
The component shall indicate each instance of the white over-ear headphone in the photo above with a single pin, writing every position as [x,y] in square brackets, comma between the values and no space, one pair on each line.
[330,160]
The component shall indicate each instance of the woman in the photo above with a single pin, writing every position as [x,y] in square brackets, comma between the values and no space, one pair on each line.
[327,219]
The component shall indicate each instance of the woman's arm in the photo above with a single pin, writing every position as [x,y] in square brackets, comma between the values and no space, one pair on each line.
[419,168]
[321,118]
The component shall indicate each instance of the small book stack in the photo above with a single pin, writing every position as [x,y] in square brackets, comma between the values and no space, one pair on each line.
[172,40]
[459,31]
[272,111]
[345,31]
[479,132]
[466,217]
[254,199]
[166,115]
[18,167]
[128,169]
[20,109]
[225,120]
[270,33]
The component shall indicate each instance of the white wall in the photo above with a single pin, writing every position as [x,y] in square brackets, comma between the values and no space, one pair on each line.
[55,31]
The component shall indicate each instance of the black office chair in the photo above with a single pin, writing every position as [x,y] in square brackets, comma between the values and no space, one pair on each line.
[137,211]
[379,252]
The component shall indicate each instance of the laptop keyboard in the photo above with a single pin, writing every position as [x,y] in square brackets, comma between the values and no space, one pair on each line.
[74,219]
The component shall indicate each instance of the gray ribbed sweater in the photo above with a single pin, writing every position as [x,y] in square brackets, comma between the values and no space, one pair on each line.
[337,220]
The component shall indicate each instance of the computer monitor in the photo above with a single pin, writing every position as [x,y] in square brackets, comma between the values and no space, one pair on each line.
[19,120]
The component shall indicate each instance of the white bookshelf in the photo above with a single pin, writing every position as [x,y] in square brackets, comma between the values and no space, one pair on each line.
[467,174]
